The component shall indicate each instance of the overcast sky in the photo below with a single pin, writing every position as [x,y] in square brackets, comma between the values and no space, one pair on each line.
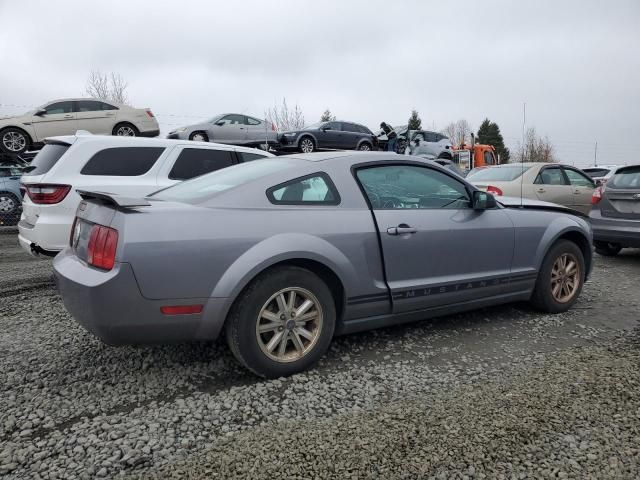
[576,64]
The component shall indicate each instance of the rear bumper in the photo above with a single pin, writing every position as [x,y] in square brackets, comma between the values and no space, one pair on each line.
[615,230]
[111,307]
[43,237]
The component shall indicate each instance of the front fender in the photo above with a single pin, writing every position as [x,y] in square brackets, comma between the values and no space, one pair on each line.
[559,227]
[306,134]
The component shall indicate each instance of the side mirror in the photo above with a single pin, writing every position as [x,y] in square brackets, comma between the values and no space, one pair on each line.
[40,112]
[483,200]
[325,128]
[220,123]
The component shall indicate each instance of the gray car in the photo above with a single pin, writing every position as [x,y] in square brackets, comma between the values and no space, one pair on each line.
[10,195]
[230,128]
[281,254]
[615,215]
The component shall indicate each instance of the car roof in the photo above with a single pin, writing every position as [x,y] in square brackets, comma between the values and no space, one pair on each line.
[323,156]
[145,142]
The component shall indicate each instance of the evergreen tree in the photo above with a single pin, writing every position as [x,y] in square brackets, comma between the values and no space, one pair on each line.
[327,116]
[489,134]
[415,123]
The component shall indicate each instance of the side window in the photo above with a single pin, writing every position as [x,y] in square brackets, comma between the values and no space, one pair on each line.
[193,162]
[247,157]
[551,176]
[106,106]
[350,127]
[253,121]
[488,158]
[410,186]
[233,119]
[419,136]
[333,125]
[314,189]
[431,137]
[88,106]
[122,161]
[4,172]
[577,179]
[59,107]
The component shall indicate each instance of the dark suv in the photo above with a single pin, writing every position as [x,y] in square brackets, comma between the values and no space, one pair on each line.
[615,216]
[333,135]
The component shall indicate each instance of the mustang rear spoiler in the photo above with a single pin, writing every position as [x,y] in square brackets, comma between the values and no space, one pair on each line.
[118,201]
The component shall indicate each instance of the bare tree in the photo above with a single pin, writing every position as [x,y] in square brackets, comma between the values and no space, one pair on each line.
[535,149]
[284,118]
[458,132]
[110,87]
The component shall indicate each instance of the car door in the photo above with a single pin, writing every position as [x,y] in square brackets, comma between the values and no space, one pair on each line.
[581,190]
[437,250]
[330,135]
[551,185]
[230,129]
[258,131]
[58,118]
[92,117]
[350,135]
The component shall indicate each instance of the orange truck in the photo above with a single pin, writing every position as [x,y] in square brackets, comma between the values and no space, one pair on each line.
[475,155]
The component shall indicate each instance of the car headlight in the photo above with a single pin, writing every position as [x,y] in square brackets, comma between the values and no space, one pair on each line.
[293,134]
[180,130]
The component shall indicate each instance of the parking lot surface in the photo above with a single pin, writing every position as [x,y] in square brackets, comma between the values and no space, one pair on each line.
[503,392]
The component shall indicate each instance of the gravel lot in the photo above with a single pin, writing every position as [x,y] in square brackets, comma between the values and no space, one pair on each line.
[500,393]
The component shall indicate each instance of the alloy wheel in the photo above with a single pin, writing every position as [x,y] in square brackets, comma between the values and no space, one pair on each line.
[289,324]
[306,145]
[364,147]
[7,204]
[14,141]
[565,278]
[198,137]
[125,131]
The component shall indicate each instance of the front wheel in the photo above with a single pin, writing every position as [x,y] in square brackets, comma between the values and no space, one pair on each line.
[560,278]
[199,137]
[282,323]
[306,145]
[125,130]
[14,140]
[607,249]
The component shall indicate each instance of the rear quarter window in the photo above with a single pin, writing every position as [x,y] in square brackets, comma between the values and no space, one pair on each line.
[47,158]
[193,162]
[122,161]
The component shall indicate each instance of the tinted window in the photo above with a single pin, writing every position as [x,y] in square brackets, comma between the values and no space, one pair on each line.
[627,178]
[332,125]
[409,186]
[253,121]
[59,107]
[247,157]
[89,106]
[499,174]
[578,179]
[596,172]
[193,162]
[202,188]
[350,127]
[46,158]
[233,119]
[106,106]
[431,137]
[551,176]
[122,161]
[314,189]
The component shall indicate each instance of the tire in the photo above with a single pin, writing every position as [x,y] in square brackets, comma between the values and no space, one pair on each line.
[9,208]
[125,130]
[199,137]
[543,297]
[14,141]
[306,145]
[607,249]
[365,147]
[262,352]
[445,156]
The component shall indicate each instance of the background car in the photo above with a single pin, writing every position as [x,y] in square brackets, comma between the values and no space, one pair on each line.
[549,182]
[65,117]
[601,173]
[229,128]
[329,135]
[423,143]
[615,216]
[127,166]
[282,253]
[10,195]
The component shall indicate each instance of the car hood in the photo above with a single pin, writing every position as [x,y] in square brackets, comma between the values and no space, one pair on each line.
[528,204]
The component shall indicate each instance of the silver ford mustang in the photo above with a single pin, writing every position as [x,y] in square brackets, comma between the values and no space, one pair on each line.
[282,254]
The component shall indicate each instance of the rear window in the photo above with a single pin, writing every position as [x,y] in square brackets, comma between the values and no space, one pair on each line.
[596,172]
[627,178]
[122,161]
[193,162]
[247,157]
[202,188]
[47,158]
[499,174]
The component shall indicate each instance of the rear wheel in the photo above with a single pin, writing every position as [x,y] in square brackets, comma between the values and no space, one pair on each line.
[14,140]
[607,249]
[365,147]
[306,145]
[125,130]
[282,323]
[9,206]
[199,137]
[560,279]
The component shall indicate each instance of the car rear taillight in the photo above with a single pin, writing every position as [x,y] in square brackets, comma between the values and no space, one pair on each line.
[101,251]
[494,190]
[149,113]
[596,196]
[46,193]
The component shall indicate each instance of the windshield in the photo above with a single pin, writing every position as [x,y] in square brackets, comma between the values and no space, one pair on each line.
[206,186]
[499,174]
[215,119]
[628,178]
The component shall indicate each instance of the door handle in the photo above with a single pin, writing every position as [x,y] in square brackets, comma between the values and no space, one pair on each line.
[401,229]
[576,192]
[541,190]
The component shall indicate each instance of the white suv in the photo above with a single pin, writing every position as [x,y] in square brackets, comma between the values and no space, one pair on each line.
[65,117]
[130,166]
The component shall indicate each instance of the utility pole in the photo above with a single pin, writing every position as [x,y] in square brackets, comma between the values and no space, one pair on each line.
[595,156]
[524,122]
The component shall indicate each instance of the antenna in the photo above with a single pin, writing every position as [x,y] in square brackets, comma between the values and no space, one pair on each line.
[595,155]
[524,123]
